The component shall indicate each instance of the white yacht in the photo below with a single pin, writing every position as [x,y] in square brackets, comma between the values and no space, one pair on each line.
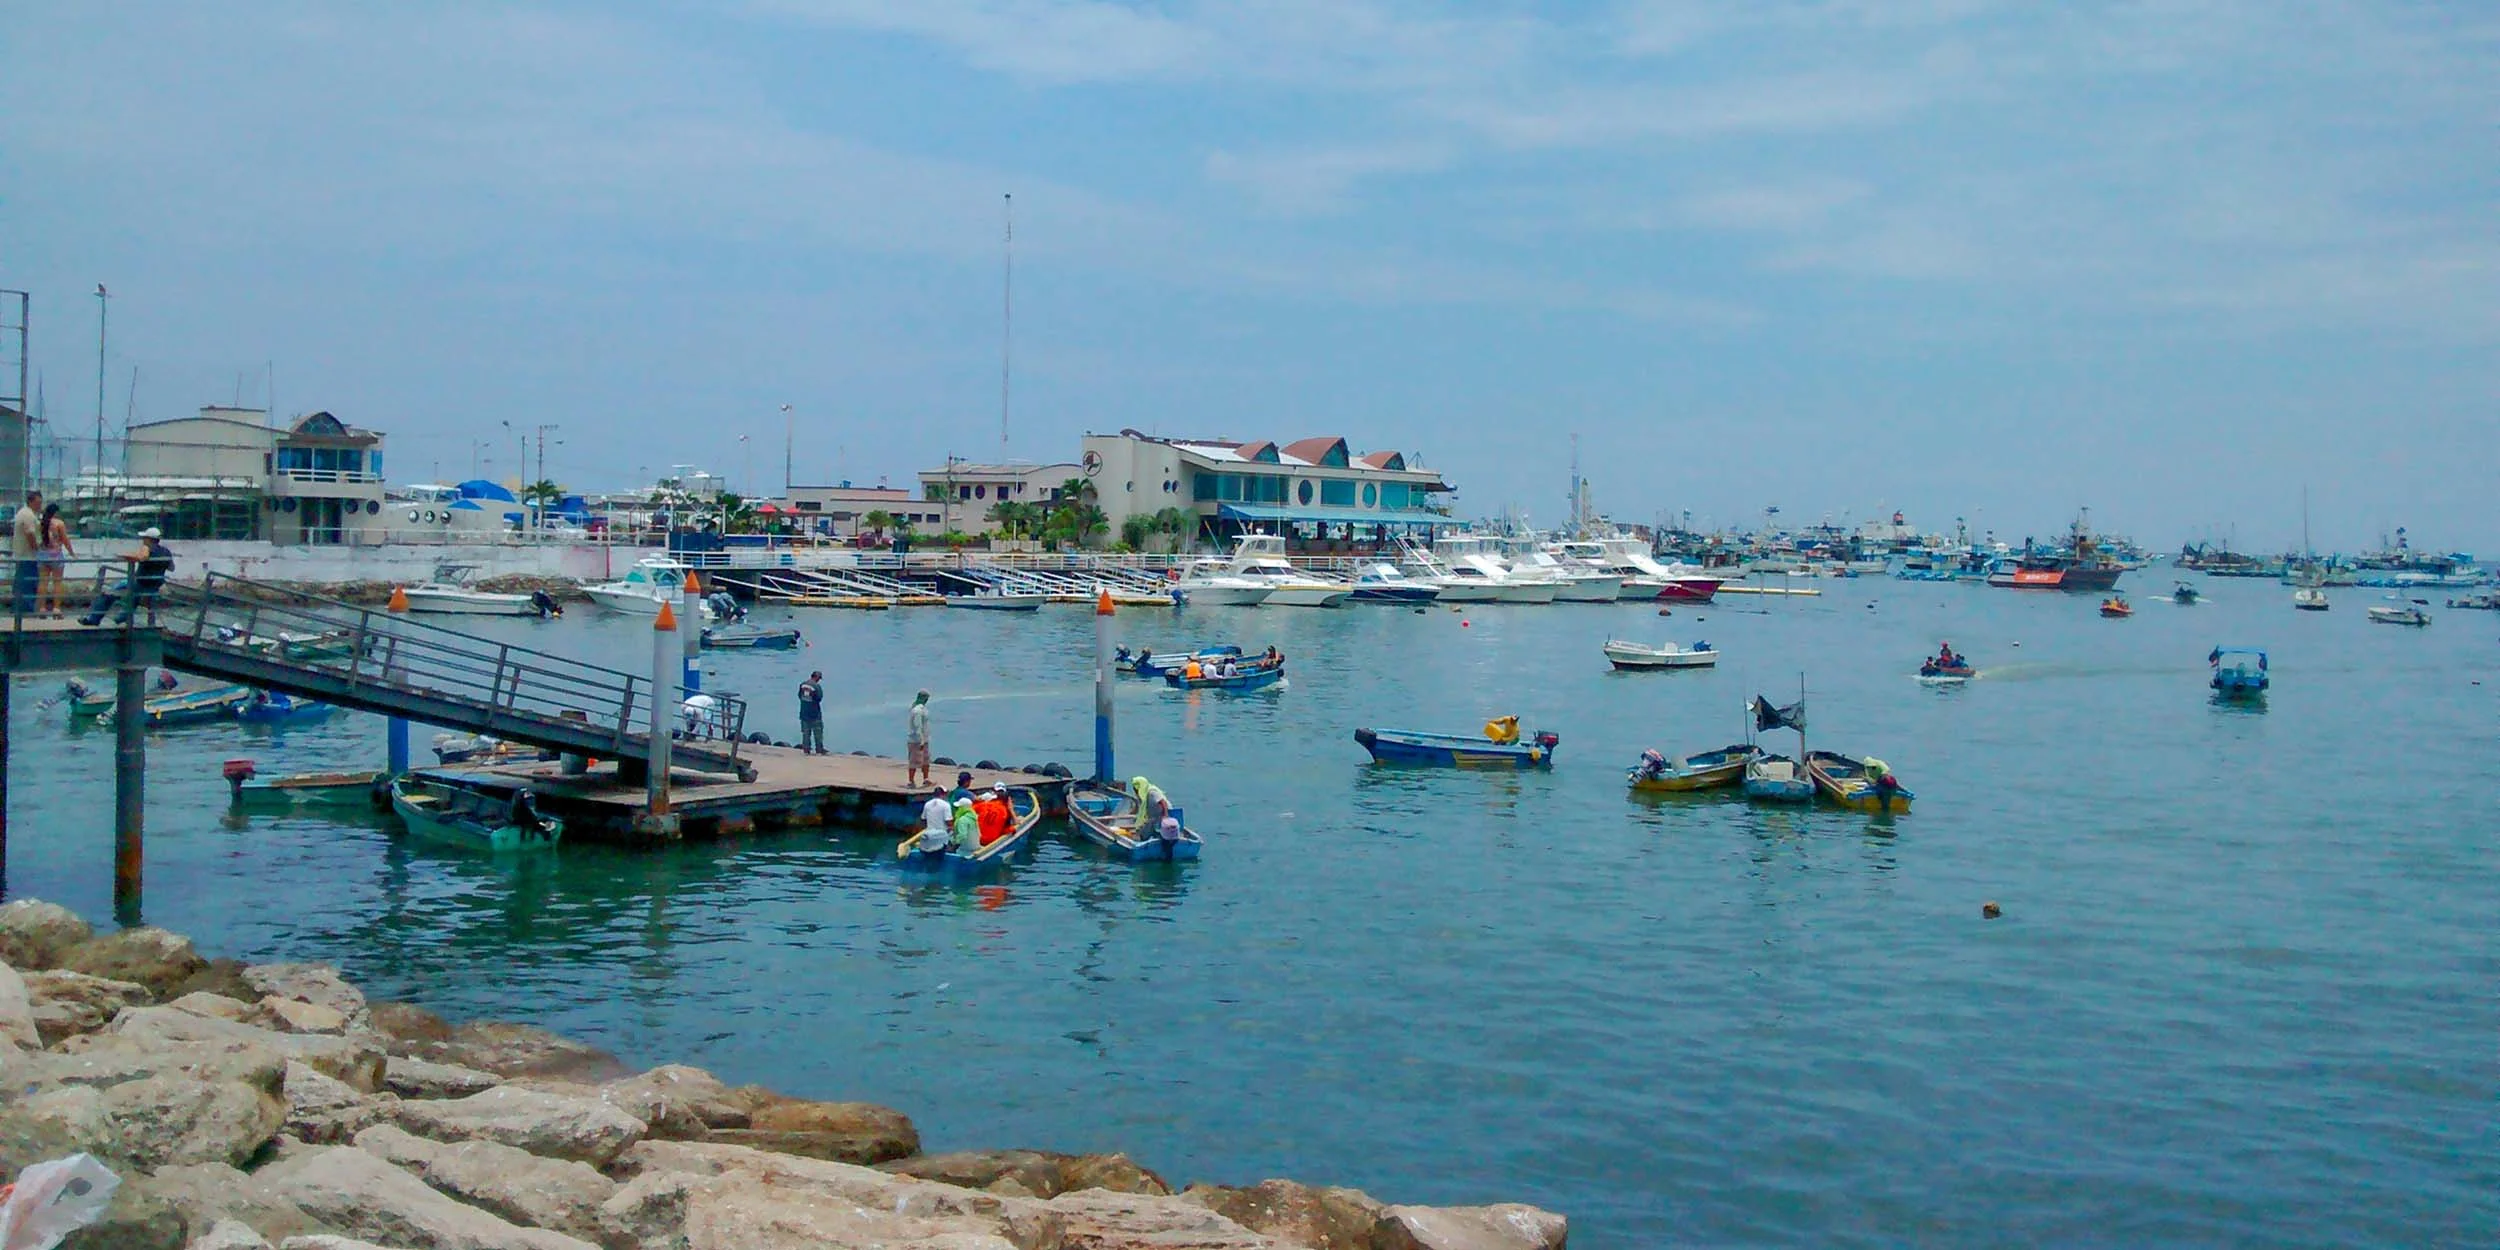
[652,581]
[1210,581]
[450,592]
[1261,558]
[1577,582]
[1644,575]
[1466,569]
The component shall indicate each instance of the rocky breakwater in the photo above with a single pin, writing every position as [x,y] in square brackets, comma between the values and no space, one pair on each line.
[275,1106]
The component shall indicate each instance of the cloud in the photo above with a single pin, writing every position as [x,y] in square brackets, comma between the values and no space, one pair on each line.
[1312,181]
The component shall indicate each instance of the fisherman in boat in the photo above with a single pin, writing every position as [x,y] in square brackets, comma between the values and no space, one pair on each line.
[1194,671]
[1153,805]
[962,793]
[523,813]
[967,827]
[1273,659]
[937,819]
[1653,765]
[994,815]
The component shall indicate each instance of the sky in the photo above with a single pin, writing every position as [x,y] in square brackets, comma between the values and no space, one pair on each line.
[2176,261]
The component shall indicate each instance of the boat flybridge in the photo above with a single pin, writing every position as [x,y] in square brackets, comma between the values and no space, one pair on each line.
[1574,582]
[1261,558]
[1468,570]
[1209,580]
[1644,575]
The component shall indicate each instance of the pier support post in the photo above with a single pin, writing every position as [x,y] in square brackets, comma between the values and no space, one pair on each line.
[130,779]
[396,736]
[664,657]
[4,785]
[1103,771]
[693,632]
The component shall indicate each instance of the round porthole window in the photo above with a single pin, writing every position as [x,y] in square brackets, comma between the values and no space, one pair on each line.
[1303,492]
[1371,494]
[373,507]
[413,514]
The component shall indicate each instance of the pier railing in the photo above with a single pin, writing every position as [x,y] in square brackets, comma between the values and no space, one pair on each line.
[377,661]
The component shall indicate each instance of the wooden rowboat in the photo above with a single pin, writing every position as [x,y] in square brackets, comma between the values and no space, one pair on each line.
[1022,803]
[1708,770]
[1633,655]
[459,816]
[748,638]
[280,794]
[1850,782]
[1109,818]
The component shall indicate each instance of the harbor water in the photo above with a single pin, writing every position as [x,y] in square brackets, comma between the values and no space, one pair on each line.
[2241,992]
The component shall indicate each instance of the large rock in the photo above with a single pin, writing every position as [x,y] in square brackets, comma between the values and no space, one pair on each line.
[228,1235]
[405,1028]
[206,1193]
[325,1111]
[1308,1216]
[352,1060]
[419,1078]
[153,1105]
[34,934]
[289,1016]
[147,956]
[71,1004]
[360,1195]
[1031,1173]
[526,1050]
[209,1006]
[17,1009]
[1099,1219]
[1507,1226]
[703,1196]
[844,1132]
[678,1102]
[317,984]
[135,1220]
[514,1184]
[222,977]
[324,1241]
[540,1123]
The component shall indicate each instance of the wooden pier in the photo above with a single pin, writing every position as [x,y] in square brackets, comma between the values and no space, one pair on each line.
[791,790]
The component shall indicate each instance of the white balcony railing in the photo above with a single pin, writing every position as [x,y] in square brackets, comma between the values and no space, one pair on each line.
[331,477]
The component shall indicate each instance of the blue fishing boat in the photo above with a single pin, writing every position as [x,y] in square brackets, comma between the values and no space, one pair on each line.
[276,707]
[1225,674]
[191,707]
[1110,819]
[1501,745]
[1158,663]
[1022,804]
[1777,779]
[2239,672]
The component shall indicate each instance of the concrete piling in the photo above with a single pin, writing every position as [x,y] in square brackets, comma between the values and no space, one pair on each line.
[396,733]
[1103,677]
[665,655]
[130,781]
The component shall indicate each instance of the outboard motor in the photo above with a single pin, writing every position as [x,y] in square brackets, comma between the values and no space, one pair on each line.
[1548,740]
[237,772]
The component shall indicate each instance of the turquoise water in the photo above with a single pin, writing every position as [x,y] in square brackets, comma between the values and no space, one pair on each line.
[2242,992]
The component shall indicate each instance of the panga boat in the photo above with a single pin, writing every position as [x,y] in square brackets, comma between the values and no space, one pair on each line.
[1638,655]
[2116,607]
[465,817]
[1157,663]
[1945,674]
[2400,616]
[1025,808]
[2185,594]
[1777,779]
[1709,770]
[2310,599]
[999,601]
[451,748]
[352,789]
[1861,785]
[748,638]
[1110,819]
[190,707]
[1500,746]
[2239,672]
[1228,674]
[276,707]
[450,592]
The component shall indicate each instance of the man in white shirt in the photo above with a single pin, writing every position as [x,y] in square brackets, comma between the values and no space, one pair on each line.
[937,822]
[25,544]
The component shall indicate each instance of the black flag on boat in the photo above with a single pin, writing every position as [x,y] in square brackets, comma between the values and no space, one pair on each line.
[1766,716]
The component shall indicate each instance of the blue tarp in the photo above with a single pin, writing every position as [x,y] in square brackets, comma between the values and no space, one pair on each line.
[480,488]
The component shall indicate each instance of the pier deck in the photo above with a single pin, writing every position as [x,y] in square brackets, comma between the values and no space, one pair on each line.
[791,790]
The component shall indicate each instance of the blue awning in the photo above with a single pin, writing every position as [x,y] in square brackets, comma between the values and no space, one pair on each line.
[1330,516]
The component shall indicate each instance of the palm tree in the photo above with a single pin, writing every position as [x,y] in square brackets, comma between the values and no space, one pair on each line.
[1136,530]
[737,515]
[1088,522]
[1014,519]
[878,522]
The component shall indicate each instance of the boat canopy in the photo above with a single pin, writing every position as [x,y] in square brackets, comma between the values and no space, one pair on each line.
[2220,652]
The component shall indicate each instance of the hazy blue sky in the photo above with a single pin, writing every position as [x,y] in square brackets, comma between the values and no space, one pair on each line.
[2171,260]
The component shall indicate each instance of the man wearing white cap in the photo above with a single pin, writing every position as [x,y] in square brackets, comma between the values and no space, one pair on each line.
[149,566]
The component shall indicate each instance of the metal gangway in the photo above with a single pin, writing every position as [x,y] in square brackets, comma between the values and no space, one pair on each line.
[237,630]
[824,584]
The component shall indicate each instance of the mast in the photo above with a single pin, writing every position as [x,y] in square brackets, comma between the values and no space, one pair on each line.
[1006,319]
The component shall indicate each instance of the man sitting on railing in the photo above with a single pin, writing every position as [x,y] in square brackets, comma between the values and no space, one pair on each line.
[149,567]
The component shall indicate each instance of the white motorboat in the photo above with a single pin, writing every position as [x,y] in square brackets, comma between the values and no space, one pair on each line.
[1261,558]
[1644,575]
[652,581]
[1383,583]
[1209,582]
[2400,616]
[1575,582]
[1638,655]
[450,592]
[2310,599]
[1000,601]
[1467,562]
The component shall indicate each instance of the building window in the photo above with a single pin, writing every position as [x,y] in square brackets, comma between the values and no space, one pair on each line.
[810,505]
[1202,487]
[963,492]
[1393,495]
[1371,495]
[981,492]
[1303,492]
[1228,487]
[1271,488]
[1337,494]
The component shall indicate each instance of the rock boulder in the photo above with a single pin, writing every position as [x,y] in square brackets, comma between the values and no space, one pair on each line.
[135,1220]
[514,1184]
[540,1123]
[146,956]
[151,1105]
[419,1078]
[345,1059]
[289,1016]
[205,1193]
[405,1028]
[326,1111]
[70,1004]
[690,1196]
[843,1132]
[317,984]
[17,1011]
[360,1195]
[1031,1173]
[526,1050]
[34,934]
[222,977]
[1309,1216]
[1508,1226]
[229,1235]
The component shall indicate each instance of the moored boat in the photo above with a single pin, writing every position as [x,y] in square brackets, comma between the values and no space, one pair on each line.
[1208,583]
[1383,583]
[1777,779]
[1260,558]
[1022,804]
[1707,770]
[450,592]
[748,638]
[2310,599]
[1634,655]
[1110,818]
[277,794]
[1861,785]
[191,707]
[652,581]
[2402,615]
[276,707]
[999,601]
[2239,672]
[441,812]
[1500,746]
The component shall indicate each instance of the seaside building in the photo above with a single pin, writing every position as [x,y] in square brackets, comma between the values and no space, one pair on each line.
[1316,492]
[964,493]
[842,511]
[228,474]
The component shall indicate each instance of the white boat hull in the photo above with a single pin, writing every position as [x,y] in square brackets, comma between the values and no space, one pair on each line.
[1224,596]
[1307,596]
[1526,592]
[1467,592]
[469,603]
[1633,655]
[1600,589]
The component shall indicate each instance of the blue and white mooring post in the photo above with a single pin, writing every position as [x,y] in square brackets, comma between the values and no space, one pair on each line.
[1103,771]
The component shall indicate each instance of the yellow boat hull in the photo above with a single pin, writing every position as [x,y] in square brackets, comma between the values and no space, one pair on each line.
[1707,779]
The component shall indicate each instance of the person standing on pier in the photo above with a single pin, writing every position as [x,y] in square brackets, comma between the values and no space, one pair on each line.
[916,743]
[25,545]
[812,715]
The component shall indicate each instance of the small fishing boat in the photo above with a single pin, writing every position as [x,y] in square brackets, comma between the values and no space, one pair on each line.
[2239,672]
[652,581]
[2402,615]
[748,638]
[279,794]
[1861,785]
[1777,779]
[1946,668]
[2310,599]
[276,707]
[1157,663]
[1501,745]
[1110,818]
[1633,655]
[2184,594]
[2487,601]
[2116,607]
[999,601]
[1253,674]
[451,593]
[191,707]
[453,748]
[1709,770]
[1384,583]
[1026,808]
[441,812]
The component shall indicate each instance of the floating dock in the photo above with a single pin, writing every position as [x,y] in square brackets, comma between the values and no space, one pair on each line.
[1731,588]
[791,790]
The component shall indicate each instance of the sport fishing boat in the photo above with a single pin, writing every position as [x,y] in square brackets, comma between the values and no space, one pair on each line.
[450,592]
[279,794]
[2239,672]
[2401,615]
[1708,770]
[1227,674]
[1861,785]
[1776,779]
[1466,563]
[1209,582]
[1112,819]
[652,581]
[1500,746]
[1633,655]
[1383,583]
[441,812]
[1575,582]
[1025,808]
[1260,558]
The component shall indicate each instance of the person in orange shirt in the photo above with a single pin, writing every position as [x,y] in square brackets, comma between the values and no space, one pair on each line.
[995,816]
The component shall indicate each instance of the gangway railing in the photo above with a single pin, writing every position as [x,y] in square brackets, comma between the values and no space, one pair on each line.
[375,661]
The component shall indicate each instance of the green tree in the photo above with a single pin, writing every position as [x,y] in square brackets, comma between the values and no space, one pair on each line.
[737,515]
[1136,530]
[878,522]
